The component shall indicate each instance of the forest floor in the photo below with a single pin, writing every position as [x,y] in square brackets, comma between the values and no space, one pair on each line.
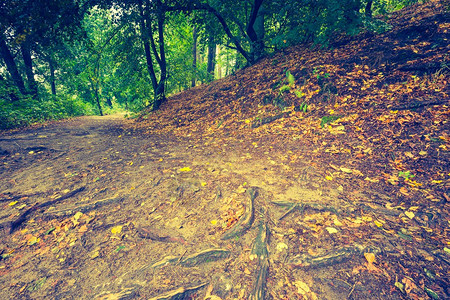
[329,181]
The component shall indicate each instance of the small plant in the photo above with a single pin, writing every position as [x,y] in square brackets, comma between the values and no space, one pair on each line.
[299,94]
[290,78]
[302,107]
[285,88]
[328,119]
[406,175]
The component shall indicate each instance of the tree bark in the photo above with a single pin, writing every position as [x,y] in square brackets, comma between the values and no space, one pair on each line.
[256,37]
[51,65]
[11,66]
[146,36]
[194,55]
[368,9]
[28,62]
[211,58]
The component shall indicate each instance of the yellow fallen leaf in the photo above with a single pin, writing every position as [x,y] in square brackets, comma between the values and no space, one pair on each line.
[409,154]
[203,183]
[302,287]
[423,153]
[378,223]
[77,215]
[116,229]
[337,222]
[214,222]
[185,169]
[331,230]
[373,180]
[241,189]
[370,257]
[357,172]
[12,203]
[346,170]
[409,214]
[83,228]
[328,177]
[33,240]
[281,246]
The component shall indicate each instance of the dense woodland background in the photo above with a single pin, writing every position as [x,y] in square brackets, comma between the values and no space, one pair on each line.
[62,58]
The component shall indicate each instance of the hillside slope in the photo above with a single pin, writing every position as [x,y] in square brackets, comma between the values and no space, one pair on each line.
[390,92]
[370,118]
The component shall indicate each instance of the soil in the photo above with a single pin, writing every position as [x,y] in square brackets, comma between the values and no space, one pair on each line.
[234,190]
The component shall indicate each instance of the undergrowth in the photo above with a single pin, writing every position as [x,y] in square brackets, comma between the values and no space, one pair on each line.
[26,111]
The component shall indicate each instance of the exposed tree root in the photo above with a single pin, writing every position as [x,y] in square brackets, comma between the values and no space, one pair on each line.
[302,206]
[246,221]
[260,249]
[204,256]
[82,208]
[23,217]
[180,293]
[336,256]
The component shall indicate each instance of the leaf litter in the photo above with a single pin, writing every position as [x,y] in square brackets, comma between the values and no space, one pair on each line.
[351,172]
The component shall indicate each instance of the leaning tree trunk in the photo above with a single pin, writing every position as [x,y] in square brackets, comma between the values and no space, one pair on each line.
[28,62]
[194,55]
[211,59]
[11,66]
[51,65]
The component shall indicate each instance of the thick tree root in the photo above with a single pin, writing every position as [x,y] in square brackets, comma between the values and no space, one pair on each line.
[204,256]
[302,206]
[246,221]
[23,217]
[180,293]
[260,249]
[81,208]
[336,256]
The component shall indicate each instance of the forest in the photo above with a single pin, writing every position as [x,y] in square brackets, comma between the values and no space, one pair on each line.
[256,149]
[69,58]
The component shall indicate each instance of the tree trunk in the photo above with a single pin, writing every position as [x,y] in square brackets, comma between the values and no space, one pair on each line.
[194,55]
[368,9]
[11,66]
[160,93]
[148,41]
[256,35]
[211,58]
[12,96]
[28,62]
[52,76]
[97,99]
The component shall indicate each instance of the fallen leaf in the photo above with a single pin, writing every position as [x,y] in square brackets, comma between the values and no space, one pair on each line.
[281,246]
[346,170]
[302,287]
[331,230]
[409,214]
[116,229]
[185,169]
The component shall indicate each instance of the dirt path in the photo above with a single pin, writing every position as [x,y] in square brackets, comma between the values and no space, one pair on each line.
[107,212]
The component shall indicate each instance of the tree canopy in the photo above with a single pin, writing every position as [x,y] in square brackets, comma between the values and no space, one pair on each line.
[66,57]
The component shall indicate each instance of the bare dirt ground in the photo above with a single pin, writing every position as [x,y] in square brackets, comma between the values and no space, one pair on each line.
[133,216]
[184,194]
[336,188]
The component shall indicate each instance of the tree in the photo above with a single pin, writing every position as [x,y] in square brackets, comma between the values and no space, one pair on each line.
[24,25]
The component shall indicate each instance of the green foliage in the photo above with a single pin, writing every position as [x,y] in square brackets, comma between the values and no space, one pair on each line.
[299,94]
[290,78]
[285,88]
[406,174]
[27,110]
[328,119]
